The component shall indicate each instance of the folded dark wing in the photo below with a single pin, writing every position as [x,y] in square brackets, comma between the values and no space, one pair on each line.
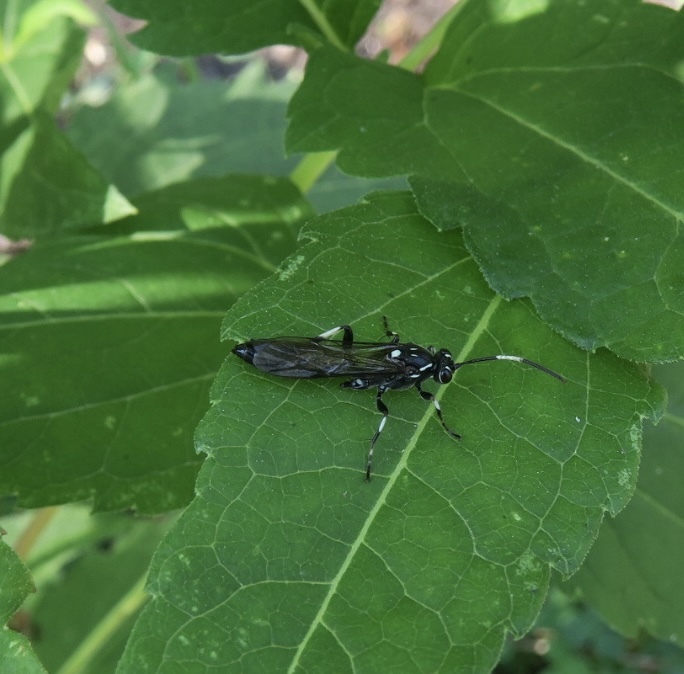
[305,358]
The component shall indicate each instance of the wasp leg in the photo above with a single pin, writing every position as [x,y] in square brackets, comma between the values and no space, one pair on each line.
[394,336]
[429,397]
[384,410]
[360,384]
[347,338]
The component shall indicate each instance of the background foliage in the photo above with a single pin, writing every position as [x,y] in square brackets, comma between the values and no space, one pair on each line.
[517,192]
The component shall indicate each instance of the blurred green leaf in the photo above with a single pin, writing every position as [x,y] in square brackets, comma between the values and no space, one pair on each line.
[571,638]
[108,347]
[43,14]
[288,559]
[231,201]
[123,560]
[554,141]
[160,133]
[40,51]
[242,25]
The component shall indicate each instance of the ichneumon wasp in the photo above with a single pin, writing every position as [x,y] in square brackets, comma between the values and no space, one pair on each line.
[386,366]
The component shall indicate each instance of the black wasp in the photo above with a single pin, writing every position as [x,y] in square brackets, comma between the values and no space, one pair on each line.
[381,365]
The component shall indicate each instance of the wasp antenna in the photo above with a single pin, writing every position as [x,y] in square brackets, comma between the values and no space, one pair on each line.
[517,359]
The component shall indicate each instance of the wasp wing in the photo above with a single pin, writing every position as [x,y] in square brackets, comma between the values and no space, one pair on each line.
[307,358]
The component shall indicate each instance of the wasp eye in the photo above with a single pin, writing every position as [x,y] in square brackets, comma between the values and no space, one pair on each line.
[445,375]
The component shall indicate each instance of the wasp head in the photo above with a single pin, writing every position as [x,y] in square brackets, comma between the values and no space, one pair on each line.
[443,367]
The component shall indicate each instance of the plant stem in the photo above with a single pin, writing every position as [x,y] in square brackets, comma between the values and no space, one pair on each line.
[430,42]
[310,169]
[35,528]
[321,21]
[81,658]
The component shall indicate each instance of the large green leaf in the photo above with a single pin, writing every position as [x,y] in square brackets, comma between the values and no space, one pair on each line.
[108,346]
[554,140]
[633,573]
[288,560]
[174,27]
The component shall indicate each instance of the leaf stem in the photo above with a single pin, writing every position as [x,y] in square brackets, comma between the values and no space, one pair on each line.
[311,168]
[431,41]
[322,22]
